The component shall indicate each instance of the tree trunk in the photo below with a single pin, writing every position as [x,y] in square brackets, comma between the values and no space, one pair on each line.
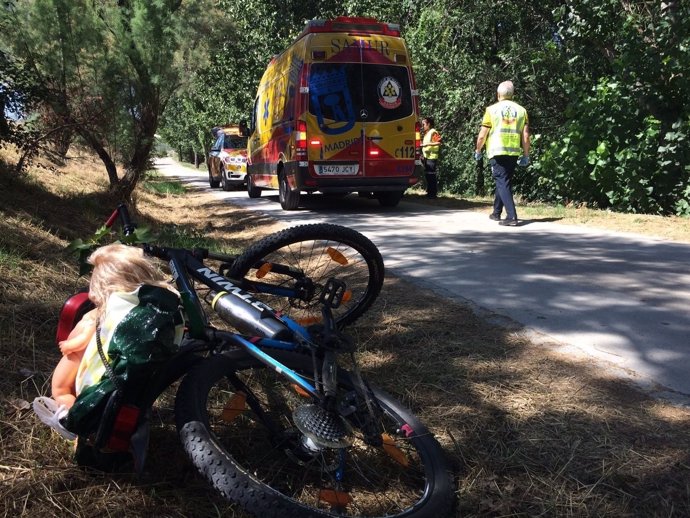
[62,142]
[103,154]
[4,125]
[141,155]
[203,140]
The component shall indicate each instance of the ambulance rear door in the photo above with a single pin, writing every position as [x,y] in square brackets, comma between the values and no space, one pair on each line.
[365,111]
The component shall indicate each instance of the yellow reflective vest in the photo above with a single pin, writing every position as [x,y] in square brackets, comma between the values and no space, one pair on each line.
[431,152]
[505,121]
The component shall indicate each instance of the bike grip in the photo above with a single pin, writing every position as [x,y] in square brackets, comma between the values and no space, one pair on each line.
[111,220]
[127,225]
[200,253]
[155,251]
[219,257]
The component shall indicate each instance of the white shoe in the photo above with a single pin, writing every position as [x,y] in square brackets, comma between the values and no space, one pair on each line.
[50,413]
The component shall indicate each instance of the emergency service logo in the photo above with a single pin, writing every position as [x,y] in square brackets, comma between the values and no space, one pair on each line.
[508,114]
[390,93]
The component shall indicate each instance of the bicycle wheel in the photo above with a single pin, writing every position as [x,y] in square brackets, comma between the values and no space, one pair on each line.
[236,424]
[314,253]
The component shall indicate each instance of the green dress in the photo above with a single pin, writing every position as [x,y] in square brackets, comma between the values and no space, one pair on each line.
[140,331]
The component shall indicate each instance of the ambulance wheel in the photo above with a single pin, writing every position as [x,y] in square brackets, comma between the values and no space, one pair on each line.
[289,200]
[213,183]
[226,184]
[252,190]
[389,198]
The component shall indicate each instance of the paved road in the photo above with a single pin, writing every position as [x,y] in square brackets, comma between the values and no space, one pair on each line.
[621,298]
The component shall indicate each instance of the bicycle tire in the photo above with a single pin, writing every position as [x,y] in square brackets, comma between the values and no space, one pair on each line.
[254,467]
[310,249]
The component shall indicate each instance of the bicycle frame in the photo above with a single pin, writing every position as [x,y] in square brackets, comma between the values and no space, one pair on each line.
[185,264]
[333,437]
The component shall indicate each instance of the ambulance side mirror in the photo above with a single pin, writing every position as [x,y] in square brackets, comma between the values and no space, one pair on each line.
[244,130]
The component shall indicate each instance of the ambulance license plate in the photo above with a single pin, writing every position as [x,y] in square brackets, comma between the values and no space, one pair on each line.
[337,169]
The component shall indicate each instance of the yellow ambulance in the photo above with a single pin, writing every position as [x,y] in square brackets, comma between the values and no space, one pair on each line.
[337,113]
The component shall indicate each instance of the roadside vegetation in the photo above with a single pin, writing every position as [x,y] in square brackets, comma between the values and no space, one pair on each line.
[529,430]
[675,228]
[603,81]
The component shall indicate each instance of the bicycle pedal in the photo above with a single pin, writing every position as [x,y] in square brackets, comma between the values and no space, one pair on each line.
[333,293]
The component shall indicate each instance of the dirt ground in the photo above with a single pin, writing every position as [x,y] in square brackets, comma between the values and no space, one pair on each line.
[528,430]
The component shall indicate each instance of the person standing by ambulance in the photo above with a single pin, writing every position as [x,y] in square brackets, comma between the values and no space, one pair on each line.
[505,131]
[431,145]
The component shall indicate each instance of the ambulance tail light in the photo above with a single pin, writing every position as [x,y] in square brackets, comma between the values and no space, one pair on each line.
[314,142]
[301,136]
[417,141]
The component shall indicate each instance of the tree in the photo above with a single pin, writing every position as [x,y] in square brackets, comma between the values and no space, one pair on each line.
[108,69]
[18,95]
[625,142]
[223,91]
[461,52]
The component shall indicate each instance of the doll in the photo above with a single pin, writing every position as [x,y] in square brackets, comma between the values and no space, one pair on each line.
[137,319]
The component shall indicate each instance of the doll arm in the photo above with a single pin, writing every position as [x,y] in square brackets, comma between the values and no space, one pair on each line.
[80,336]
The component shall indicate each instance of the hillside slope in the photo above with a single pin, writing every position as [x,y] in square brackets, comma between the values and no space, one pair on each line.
[529,431]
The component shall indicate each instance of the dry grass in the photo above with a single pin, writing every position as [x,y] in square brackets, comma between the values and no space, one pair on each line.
[673,228]
[529,431]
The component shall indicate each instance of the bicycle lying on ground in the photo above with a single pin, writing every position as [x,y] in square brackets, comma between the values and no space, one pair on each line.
[268,413]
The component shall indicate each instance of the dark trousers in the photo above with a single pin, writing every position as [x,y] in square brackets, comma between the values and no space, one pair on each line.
[431,178]
[502,169]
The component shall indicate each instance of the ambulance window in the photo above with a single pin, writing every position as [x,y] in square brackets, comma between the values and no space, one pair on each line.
[346,92]
[234,142]
[255,119]
[218,143]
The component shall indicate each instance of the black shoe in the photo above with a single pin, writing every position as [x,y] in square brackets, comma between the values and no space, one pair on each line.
[509,223]
[494,217]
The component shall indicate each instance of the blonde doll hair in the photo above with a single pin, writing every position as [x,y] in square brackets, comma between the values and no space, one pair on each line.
[119,267]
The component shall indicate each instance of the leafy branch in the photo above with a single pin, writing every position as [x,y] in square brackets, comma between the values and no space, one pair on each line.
[104,235]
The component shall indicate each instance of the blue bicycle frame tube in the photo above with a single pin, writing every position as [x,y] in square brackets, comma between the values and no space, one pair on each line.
[182,263]
[271,362]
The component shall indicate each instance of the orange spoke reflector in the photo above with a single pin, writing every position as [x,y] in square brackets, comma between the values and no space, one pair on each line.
[336,256]
[347,295]
[335,498]
[300,390]
[235,406]
[307,321]
[263,270]
[393,451]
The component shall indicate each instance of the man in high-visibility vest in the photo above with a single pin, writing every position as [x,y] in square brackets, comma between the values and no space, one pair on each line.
[431,145]
[505,131]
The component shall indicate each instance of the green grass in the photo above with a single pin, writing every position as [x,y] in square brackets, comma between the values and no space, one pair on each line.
[181,237]
[9,259]
[201,169]
[157,184]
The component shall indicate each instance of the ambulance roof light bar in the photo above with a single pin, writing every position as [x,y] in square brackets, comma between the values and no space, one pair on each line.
[352,25]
